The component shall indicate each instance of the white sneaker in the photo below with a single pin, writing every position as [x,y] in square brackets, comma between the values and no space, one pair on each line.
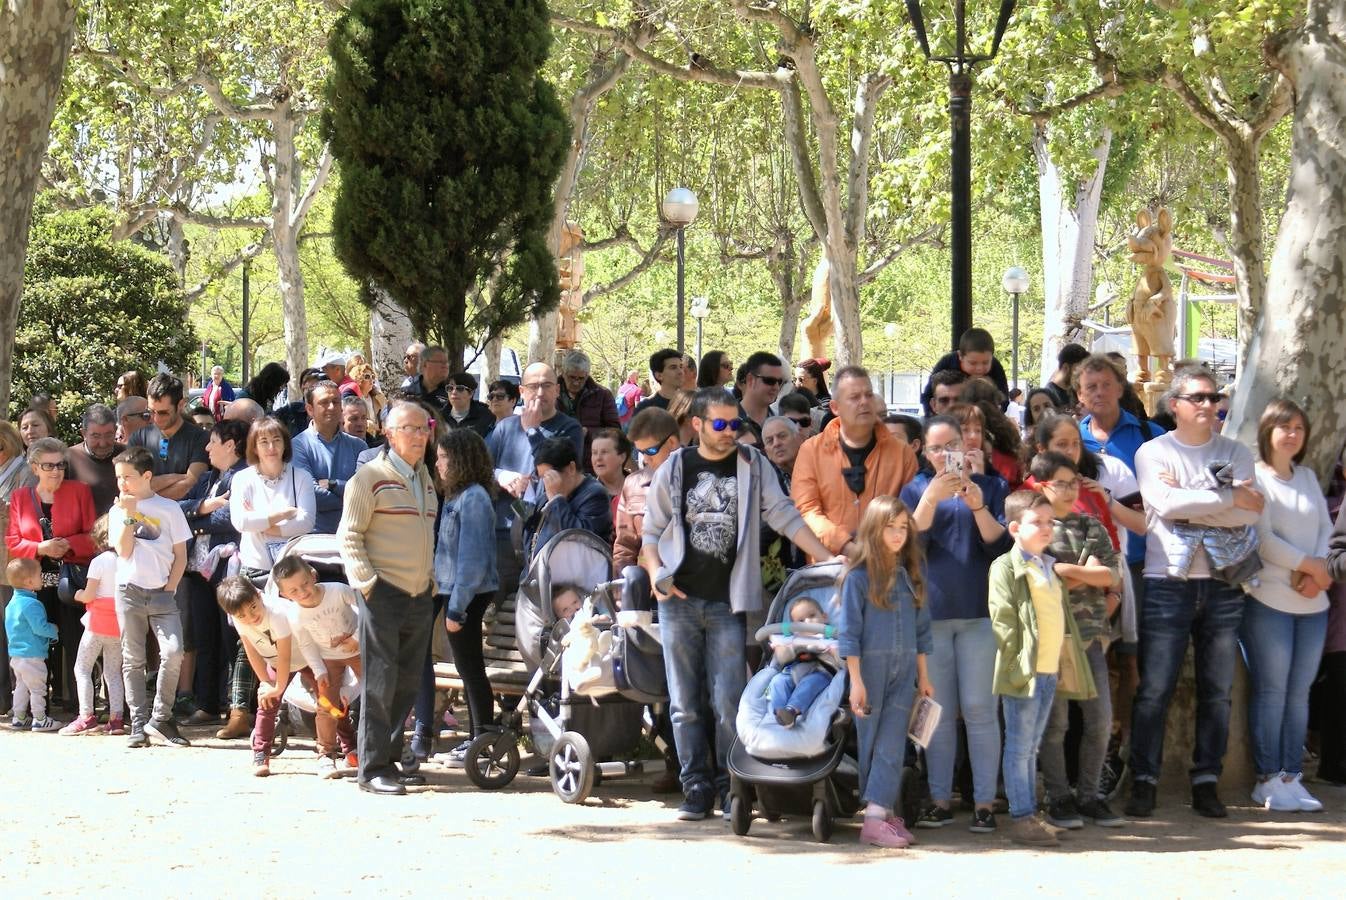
[455,758]
[327,767]
[1273,794]
[1294,788]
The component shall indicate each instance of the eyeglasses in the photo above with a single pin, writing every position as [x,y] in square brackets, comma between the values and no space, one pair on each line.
[1200,397]
[654,451]
[53,467]
[459,389]
[412,429]
[494,398]
[944,448]
[1071,485]
[768,380]
[538,386]
[802,423]
[721,424]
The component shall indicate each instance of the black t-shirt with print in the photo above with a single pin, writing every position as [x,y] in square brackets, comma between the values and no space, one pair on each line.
[710,525]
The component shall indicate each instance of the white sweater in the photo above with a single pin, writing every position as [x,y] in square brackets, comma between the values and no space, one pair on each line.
[1294,524]
[252,501]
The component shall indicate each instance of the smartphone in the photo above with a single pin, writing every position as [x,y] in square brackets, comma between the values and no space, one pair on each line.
[953,462]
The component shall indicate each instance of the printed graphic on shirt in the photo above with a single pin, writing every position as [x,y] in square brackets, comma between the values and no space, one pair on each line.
[712,515]
[148,528]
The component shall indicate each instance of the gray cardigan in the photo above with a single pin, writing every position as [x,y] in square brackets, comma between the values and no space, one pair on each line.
[759,497]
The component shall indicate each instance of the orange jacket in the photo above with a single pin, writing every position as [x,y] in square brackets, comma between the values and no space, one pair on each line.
[819,489]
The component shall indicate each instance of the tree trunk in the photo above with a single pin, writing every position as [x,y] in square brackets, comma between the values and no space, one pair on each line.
[285,244]
[34,45]
[845,304]
[1246,228]
[389,336]
[1294,348]
[784,272]
[1069,226]
[491,352]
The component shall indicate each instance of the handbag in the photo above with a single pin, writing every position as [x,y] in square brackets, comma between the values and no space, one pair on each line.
[70,577]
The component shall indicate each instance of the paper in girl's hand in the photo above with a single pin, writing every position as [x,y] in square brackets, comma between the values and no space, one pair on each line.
[924,720]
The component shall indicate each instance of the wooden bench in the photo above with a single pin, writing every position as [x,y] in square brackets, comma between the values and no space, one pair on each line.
[505,666]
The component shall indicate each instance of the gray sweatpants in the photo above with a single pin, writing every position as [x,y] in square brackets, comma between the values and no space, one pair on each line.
[30,686]
[138,611]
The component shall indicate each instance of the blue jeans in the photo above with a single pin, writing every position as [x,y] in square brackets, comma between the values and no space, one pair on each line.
[783,692]
[1025,721]
[961,668]
[1282,652]
[703,654]
[1207,612]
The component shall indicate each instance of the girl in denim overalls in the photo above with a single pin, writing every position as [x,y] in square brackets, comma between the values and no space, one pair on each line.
[884,634]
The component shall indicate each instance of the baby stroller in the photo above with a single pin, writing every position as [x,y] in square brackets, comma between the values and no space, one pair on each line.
[299,704]
[592,676]
[809,768]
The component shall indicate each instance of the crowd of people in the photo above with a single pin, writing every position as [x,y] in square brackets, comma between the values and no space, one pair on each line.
[1005,559]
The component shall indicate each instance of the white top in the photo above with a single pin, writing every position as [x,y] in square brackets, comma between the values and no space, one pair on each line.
[103,569]
[252,501]
[332,619]
[1114,475]
[266,635]
[1295,524]
[1197,499]
[159,526]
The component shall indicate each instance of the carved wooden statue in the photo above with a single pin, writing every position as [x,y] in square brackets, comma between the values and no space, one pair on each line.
[819,327]
[570,272]
[1152,313]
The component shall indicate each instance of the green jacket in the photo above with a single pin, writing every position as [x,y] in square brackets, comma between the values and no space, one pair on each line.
[1016,633]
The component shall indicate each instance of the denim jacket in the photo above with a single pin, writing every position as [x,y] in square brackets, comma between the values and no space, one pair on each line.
[465,552]
[865,630]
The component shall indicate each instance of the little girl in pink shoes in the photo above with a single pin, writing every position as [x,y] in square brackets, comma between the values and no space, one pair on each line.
[102,638]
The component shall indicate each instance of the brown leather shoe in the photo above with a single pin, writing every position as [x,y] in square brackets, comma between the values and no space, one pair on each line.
[238,726]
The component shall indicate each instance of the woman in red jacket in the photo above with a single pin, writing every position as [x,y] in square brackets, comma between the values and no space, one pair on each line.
[50,522]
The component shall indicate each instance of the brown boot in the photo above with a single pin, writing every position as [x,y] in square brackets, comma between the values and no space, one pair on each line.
[238,726]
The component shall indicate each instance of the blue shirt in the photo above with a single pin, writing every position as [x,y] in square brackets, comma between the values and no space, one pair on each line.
[1123,442]
[512,451]
[957,560]
[27,627]
[333,461]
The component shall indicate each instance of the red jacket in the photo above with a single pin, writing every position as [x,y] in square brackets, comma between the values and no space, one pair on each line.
[72,518]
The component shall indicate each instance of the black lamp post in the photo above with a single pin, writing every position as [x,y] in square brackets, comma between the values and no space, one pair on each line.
[680,207]
[960,63]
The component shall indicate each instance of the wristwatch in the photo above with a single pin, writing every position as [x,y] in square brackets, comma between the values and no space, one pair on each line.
[128,521]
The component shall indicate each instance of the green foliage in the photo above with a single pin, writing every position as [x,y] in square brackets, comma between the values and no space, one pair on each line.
[449,142]
[93,309]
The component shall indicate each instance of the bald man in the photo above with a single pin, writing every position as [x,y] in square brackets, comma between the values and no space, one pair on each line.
[244,409]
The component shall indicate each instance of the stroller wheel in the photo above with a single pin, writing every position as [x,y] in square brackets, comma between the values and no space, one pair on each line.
[740,814]
[571,766]
[822,822]
[492,759]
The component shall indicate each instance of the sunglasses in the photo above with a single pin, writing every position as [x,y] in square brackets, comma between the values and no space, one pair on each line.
[654,451]
[1200,397]
[802,423]
[145,416]
[768,380]
[496,397]
[460,389]
[721,424]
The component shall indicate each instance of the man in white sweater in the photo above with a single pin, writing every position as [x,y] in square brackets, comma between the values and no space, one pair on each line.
[1189,476]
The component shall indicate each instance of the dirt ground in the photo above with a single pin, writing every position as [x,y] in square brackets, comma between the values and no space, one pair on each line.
[89,816]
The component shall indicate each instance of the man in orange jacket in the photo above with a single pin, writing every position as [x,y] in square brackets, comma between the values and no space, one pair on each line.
[851,462]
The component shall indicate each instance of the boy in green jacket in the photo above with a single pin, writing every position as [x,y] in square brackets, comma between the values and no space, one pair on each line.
[1038,652]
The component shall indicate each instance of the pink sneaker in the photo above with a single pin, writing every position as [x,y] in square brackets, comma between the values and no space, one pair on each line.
[901,828]
[879,833]
[82,725]
[116,725]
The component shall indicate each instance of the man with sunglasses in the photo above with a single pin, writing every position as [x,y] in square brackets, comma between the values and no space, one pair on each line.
[464,410]
[762,382]
[853,460]
[178,446]
[133,414]
[702,539]
[1197,487]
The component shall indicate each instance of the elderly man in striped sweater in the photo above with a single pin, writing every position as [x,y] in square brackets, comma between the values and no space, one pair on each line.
[387,544]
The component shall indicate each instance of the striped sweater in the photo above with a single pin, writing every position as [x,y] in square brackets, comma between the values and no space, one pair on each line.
[383,533]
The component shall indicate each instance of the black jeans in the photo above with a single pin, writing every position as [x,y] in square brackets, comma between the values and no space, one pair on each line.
[215,643]
[425,695]
[61,659]
[394,634]
[471,664]
[1331,696]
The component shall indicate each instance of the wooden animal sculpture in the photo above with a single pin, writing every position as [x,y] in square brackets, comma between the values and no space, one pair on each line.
[819,327]
[1152,313]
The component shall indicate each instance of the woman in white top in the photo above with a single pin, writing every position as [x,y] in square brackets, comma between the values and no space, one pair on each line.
[1285,619]
[269,502]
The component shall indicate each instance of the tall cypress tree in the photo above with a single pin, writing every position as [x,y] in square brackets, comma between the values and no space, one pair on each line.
[449,143]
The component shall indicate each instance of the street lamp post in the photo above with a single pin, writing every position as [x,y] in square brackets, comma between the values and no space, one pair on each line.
[680,207]
[890,332]
[699,309]
[960,63]
[1015,283]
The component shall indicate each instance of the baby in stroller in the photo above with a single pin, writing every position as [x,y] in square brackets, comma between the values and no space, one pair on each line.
[792,692]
